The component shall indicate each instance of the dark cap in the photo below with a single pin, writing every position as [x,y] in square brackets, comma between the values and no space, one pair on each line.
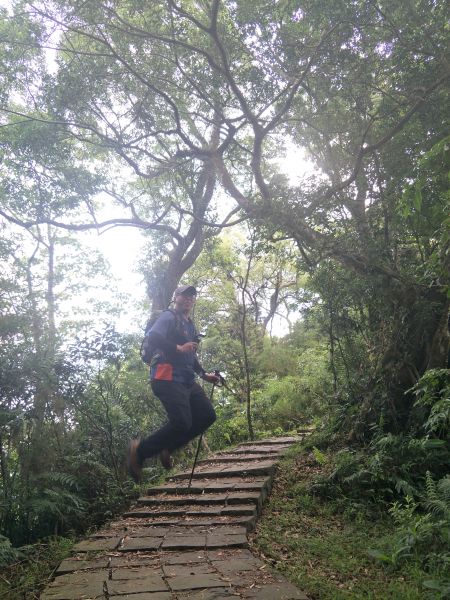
[187,290]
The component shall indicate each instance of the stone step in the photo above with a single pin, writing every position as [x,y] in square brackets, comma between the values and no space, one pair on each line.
[236,458]
[195,511]
[256,449]
[277,441]
[176,538]
[199,486]
[164,500]
[184,542]
[265,467]
[247,521]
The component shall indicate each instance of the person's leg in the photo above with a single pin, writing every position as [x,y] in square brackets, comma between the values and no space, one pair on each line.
[175,397]
[203,415]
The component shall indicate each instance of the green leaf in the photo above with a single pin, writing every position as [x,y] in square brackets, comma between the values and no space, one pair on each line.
[417,199]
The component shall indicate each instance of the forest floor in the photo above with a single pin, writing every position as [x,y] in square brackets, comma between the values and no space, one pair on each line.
[322,548]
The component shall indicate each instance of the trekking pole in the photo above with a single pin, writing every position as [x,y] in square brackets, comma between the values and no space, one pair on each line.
[223,383]
[199,443]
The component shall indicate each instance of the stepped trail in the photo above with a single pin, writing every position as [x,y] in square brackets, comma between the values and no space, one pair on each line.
[185,544]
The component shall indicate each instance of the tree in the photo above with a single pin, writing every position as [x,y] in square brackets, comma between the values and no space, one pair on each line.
[214,88]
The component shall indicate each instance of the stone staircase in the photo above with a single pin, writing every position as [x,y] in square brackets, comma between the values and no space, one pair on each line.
[185,542]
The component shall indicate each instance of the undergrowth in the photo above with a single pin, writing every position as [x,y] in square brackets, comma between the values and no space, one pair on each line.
[345,546]
[32,569]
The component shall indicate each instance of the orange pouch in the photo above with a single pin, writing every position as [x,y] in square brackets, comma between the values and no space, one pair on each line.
[164,372]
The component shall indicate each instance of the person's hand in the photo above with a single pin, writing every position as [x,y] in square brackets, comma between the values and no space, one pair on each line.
[211,378]
[187,347]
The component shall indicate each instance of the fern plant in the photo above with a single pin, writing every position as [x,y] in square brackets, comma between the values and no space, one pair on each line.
[433,393]
[54,502]
[437,498]
[423,531]
[8,554]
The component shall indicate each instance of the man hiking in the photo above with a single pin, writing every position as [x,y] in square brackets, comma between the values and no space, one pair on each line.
[172,376]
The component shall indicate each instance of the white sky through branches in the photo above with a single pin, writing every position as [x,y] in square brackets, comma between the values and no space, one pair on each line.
[122,247]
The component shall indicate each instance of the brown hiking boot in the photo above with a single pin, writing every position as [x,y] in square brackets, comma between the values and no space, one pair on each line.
[134,463]
[166,460]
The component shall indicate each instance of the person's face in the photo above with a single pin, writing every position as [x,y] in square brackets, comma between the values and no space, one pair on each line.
[184,302]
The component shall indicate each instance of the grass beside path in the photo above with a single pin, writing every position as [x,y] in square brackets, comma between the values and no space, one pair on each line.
[24,579]
[322,550]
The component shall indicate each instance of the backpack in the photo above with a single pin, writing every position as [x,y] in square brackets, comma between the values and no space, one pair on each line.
[147,350]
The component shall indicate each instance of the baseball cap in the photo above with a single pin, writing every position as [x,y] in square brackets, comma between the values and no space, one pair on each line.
[187,290]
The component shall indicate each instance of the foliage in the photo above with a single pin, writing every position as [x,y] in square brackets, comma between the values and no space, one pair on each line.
[408,473]
[324,550]
[422,533]
[26,577]
[8,554]
[433,394]
[390,467]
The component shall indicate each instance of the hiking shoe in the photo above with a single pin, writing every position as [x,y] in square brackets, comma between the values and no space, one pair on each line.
[134,463]
[165,458]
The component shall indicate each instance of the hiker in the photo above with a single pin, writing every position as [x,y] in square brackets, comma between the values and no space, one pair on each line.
[172,375]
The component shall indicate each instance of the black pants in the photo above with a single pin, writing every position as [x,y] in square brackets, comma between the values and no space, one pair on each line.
[189,411]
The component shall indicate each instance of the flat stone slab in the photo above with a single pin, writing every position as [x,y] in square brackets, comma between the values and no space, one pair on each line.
[145,596]
[75,586]
[247,521]
[136,529]
[237,565]
[226,541]
[97,544]
[211,594]
[184,541]
[240,497]
[148,531]
[134,544]
[196,582]
[148,583]
[199,511]
[264,467]
[136,572]
[264,451]
[236,457]
[140,559]
[69,565]
[199,486]
[184,558]
[288,440]
[239,509]
[283,590]
[171,570]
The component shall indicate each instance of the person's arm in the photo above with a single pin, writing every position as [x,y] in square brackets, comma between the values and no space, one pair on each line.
[157,340]
[159,336]
[198,368]
[209,377]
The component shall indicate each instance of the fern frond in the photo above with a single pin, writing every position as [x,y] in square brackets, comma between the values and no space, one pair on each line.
[8,554]
[63,480]
[437,499]
[430,487]
[443,489]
